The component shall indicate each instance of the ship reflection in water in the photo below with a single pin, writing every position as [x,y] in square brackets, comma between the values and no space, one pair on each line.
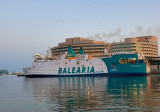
[95,93]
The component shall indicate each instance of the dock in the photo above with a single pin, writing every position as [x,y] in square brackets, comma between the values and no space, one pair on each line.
[154,64]
[155,71]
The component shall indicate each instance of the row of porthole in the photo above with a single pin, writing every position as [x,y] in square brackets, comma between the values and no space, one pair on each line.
[53,70]
[65,63]
[56,70]
[43,70]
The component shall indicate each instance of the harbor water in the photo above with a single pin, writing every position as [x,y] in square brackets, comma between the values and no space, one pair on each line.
[97,94]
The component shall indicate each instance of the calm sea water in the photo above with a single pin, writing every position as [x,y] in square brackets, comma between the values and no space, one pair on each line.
[20,94]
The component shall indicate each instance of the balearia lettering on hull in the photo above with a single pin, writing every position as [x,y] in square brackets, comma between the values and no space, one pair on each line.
[76,70]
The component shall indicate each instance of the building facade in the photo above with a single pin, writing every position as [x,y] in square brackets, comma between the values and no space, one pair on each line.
[90,47]
[146,45]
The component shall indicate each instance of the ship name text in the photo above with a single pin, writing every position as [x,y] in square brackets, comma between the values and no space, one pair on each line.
[76,70]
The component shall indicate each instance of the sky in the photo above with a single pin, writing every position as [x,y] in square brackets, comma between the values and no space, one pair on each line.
[28,27]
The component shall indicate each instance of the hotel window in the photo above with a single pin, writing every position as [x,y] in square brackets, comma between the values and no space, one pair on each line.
[132,60]
[123,61]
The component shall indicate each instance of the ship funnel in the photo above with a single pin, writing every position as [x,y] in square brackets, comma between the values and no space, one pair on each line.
[71,54]
[81,51]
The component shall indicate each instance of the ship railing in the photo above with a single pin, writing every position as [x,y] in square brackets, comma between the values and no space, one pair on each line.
[118,53]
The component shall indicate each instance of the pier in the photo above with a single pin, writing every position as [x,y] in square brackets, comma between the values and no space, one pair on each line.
[155,65]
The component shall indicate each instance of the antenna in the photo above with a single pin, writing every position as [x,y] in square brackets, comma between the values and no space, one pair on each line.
[49,52]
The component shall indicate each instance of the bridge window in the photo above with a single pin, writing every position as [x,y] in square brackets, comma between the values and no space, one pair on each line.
[132,60]
[123,61]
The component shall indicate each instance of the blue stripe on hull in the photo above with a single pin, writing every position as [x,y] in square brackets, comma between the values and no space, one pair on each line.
[100,74]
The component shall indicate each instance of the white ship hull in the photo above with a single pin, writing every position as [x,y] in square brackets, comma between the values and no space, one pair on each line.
[66,67]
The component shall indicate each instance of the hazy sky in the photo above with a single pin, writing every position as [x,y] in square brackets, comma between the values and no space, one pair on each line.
[28,27]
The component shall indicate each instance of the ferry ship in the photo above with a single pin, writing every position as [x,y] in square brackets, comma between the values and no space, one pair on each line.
[70,64]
